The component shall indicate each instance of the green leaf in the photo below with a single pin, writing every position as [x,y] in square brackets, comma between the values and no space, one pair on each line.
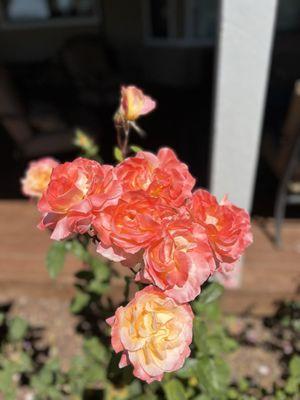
[190,391]
[135,389]
[24,362]
[97,287]
[202,397]
[213,375]
[200,335]
[294,366]
[95,349]
[48,382]
[211,293]
[188,370]
[214,343]
[135,148]
[94,373]
[79,250]
[232,394]
[55,258]
[2,318]
[100,269]
[292,386]
[147,396]
[229,344]
[118,154]
[243,385]
[280,395]
[296,325]
[80,301]
[174,390]
[212,312]
[17,329]
[7,384]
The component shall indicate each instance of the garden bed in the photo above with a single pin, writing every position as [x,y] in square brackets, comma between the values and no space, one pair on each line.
[258,365]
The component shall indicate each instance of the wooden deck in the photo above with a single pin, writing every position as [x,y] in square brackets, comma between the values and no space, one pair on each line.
[269,274]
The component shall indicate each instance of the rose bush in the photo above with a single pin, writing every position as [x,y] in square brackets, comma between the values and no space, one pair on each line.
[143,213]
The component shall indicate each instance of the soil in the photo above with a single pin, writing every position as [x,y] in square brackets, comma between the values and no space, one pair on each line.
[255,358]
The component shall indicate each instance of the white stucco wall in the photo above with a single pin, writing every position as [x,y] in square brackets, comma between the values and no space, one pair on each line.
[244,48]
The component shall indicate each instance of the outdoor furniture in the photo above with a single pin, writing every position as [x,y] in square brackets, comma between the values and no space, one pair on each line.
[286,163]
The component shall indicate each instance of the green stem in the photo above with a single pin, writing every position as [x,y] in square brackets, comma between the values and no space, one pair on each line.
[125,142]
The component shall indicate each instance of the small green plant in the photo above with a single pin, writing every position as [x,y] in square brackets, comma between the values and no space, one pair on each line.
[95,371]
[292,386]
[205,373]
[15,360]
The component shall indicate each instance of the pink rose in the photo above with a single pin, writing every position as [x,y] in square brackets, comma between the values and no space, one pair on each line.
[227,226]
[179,262]
[134,103]
[153,332]
[37,176]
[76,193]
[162,176]
[129,226]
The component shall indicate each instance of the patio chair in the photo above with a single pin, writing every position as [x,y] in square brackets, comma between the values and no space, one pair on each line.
[286,163]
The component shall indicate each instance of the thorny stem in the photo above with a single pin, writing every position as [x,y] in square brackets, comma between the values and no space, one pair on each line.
[125,142]
[123,137]
[119,139]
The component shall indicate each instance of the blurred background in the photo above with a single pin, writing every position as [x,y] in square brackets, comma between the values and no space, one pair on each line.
[62,63]
[225,75]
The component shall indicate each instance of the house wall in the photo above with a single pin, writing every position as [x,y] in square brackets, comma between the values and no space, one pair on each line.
[122,26]
[163,64]
[123,23]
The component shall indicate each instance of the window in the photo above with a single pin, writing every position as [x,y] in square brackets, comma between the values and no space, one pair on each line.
[20,14]
[180,22]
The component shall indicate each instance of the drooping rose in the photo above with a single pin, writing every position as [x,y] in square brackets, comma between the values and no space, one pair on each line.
[179,262]
[129,226]
[227,226]
[37,176]
[77,191]
[162,176]
[153,332]
[134,103]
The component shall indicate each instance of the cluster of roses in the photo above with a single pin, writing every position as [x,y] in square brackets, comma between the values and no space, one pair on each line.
[145,215]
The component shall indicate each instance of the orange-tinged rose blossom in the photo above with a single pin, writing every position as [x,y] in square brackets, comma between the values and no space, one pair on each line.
[134,103]
[153,332]
[179,262]
[77,191]
[37,177]
[130,226]
[161,176]
[227,226]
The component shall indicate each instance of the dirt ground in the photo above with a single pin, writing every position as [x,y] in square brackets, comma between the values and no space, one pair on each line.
[57,326]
